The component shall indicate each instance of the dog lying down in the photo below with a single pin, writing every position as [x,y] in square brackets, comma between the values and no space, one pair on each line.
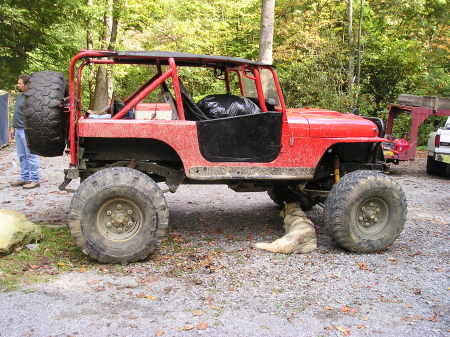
[300,234]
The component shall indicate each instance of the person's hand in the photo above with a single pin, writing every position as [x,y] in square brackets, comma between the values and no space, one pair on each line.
[11,133]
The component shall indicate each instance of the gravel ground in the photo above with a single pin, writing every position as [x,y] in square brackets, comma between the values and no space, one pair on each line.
[218,285]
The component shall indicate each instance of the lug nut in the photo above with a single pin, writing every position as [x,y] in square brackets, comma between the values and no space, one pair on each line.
[108,212]
[130,212]
[108,224]
[119,206]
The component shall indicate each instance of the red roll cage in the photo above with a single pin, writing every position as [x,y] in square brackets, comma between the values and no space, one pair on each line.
[242,67]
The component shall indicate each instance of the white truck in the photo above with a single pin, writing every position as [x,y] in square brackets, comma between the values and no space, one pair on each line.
[438,161]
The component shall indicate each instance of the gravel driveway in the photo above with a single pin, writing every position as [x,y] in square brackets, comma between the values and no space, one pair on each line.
[220,286]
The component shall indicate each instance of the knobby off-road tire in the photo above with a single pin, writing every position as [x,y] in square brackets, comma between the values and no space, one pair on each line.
[281,194]
[365,211]
[46,124]
[118,215]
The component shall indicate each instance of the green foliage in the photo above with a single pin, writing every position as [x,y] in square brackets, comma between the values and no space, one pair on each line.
[28,26]
[56,252]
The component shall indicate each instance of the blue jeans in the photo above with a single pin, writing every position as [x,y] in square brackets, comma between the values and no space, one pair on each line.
[29,163]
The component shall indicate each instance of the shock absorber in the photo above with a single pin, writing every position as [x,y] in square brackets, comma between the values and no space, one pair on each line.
[337,167]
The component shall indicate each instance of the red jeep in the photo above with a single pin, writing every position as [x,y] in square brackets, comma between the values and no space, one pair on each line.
[243,136]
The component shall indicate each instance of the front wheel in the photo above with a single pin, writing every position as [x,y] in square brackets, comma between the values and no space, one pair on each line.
[366,211]
[117,215]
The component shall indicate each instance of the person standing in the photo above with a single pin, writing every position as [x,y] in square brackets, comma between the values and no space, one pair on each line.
[29,163]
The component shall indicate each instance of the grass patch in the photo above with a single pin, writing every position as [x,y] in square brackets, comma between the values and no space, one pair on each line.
[57,253]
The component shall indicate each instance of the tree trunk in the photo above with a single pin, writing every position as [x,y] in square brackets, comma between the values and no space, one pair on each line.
[266,42]
[266,37]
[351,65]
[103,83]
[358,70]
[90,45]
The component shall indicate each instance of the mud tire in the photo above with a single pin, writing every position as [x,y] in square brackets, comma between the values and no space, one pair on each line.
[133,188]
[348,203]
[46,123]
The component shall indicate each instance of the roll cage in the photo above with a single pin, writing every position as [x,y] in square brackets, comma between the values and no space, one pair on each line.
[244,69]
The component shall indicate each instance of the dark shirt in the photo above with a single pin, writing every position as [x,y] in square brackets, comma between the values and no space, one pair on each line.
[18,115]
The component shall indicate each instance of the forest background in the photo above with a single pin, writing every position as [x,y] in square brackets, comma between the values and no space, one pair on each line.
[402,46]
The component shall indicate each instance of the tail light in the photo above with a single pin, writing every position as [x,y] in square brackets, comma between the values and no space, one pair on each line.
[437,140]
[401,145]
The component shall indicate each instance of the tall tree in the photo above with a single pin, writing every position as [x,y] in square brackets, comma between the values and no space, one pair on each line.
[358,69]
[351,64]
[267,28]
[103,82]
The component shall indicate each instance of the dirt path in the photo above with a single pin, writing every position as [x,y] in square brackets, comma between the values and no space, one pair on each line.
[214,284]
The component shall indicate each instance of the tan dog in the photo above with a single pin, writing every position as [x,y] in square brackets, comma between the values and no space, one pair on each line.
[300,234]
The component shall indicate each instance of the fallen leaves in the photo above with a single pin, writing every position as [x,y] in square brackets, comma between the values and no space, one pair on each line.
[388,300]
[93,281]
[177,237]
[197,312]
[413,318]
[345,331]
[187,327]
[202,326]
[342,329]
[148,297]
[160,333]
[347,309]
[393,261]
[363,266]
[198,326]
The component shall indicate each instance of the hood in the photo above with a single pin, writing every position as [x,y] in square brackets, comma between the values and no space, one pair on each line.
[331,124]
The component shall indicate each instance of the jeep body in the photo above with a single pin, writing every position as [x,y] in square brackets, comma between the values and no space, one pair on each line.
[305,147]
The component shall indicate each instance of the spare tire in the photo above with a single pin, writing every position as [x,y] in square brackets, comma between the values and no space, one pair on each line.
[46,123]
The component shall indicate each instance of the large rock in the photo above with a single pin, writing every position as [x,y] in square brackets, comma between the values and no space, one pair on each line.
[16,229]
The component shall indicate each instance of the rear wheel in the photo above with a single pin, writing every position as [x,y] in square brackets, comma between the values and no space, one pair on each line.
[366,211]
[117,215]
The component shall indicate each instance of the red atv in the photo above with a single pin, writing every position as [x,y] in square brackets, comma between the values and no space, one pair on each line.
[243,136]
